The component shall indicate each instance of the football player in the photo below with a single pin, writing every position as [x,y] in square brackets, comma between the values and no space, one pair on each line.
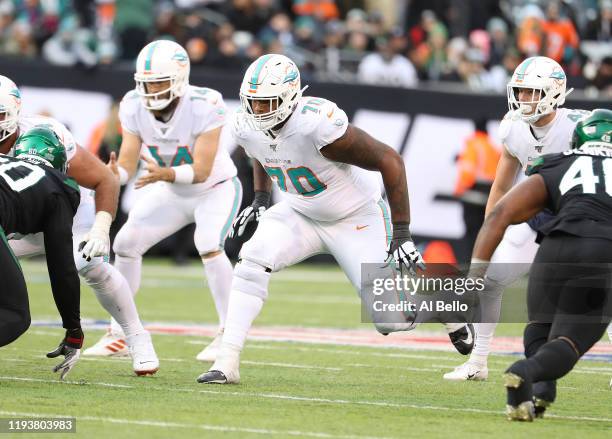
[175,126]
[534,125]
[89,227]
[37,197]
[569,297]
[308,148]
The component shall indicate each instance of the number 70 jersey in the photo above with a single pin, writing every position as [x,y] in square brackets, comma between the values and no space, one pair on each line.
[313,185]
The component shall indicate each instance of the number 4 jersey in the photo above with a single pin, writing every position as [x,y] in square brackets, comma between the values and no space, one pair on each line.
[172,143]
[313,185]
[579,186]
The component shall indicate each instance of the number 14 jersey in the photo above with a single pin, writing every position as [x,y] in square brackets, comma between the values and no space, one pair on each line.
[172,143]
[319,188]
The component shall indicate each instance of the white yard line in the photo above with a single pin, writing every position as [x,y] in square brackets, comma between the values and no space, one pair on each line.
[207,427]
[307,399]
[292,366]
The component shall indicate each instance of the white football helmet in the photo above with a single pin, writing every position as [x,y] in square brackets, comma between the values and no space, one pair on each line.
[10,106]
[158,61]
[274,78]
[547,80]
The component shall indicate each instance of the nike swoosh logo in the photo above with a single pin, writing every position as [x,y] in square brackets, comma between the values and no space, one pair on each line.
[469,338]
[361,227]
[471,375]
[331,113]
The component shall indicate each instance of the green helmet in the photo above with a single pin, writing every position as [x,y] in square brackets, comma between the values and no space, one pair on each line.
[594,129]
[41,145]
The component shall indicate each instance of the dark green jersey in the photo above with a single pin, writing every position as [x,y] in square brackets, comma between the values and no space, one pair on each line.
[579,185]
[36,198]
[33,196]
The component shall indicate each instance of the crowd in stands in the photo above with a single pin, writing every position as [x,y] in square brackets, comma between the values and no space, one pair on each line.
[383,42]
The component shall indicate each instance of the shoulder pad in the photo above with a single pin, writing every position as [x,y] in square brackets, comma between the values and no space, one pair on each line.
[240,127]
[130,102]
[311,112]
[505,127]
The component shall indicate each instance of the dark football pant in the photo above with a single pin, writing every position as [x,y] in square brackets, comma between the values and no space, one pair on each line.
[14,305]
[569,304]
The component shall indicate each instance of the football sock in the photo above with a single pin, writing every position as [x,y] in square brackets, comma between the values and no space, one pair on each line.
[490,305]
[219,271]
[242,310]
[113,293]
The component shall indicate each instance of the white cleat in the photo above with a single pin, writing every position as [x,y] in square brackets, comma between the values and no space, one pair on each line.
[144,358]
[468,372]
[110,345]
[209,353]
[225,370]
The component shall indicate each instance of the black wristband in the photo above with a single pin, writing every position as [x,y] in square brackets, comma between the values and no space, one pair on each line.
[262,198]
[402,231]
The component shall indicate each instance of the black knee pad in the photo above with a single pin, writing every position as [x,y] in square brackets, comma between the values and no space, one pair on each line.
[535,335]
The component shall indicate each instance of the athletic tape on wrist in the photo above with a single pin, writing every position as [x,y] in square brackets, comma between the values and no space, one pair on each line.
[183,174]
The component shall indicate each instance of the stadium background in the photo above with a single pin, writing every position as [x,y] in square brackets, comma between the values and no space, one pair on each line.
[449,62]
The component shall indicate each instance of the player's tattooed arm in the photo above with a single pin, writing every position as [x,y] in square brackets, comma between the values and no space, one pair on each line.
[505,174]
[205,151]
[356,147]
[90,172]
[518,205]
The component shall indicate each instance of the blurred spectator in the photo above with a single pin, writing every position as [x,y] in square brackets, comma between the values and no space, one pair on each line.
[600,25]
[106,136]
[500,42]
[476,165]
[386,67]
[305,30]
[249,15]
[561,36]
[71,45]
[602,82]
[323,10]
[430,56]
[530,34]
[133,23]
[327,38]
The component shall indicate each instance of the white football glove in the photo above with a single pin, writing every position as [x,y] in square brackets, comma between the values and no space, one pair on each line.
[253,212]
[70,348]
[402,250]
[97,241]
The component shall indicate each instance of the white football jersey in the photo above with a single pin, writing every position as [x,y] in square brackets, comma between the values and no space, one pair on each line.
[313,185]
[28,122]
[172,143]
[521,143]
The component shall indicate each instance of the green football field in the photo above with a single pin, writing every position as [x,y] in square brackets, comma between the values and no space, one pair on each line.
[318,389]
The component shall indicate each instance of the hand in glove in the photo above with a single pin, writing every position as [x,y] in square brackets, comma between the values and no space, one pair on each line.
[70,348]
[97,241]
[403,251]
[253,212]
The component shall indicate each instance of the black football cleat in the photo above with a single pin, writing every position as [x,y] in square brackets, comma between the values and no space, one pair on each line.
[212,377]
[463,339]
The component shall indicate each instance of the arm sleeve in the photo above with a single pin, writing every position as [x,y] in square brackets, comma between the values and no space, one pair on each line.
[60,262]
